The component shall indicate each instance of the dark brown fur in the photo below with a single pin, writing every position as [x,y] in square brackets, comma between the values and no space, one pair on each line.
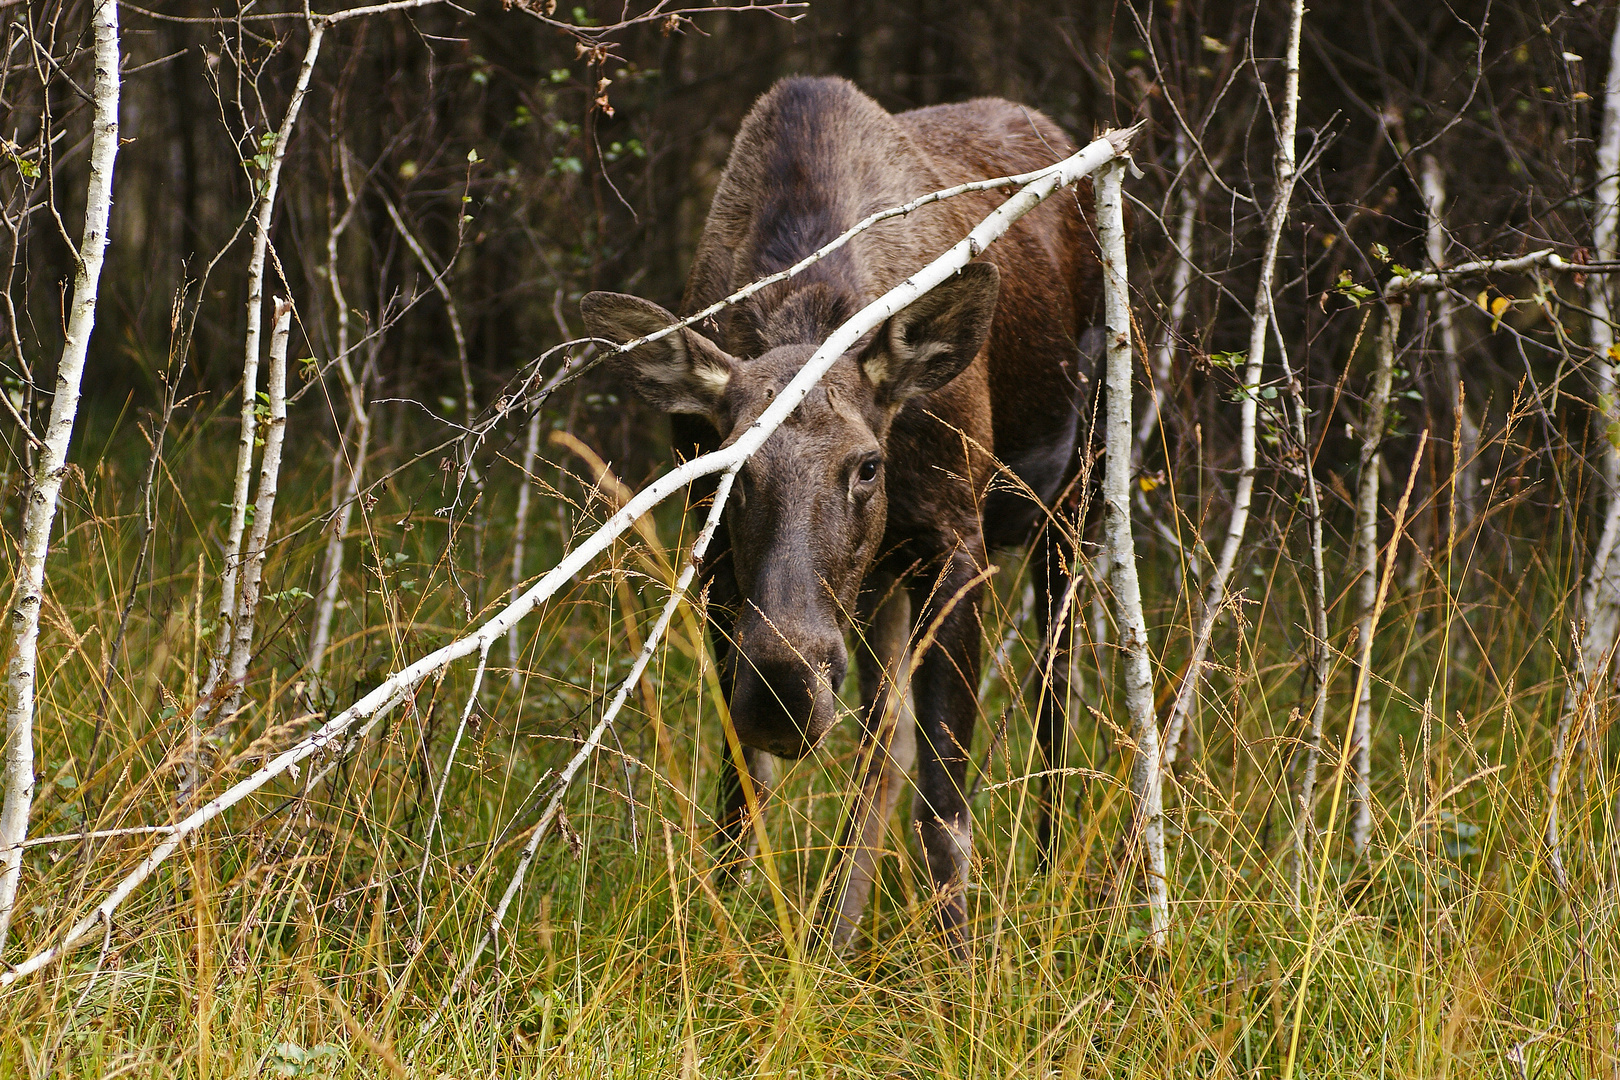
[934,405]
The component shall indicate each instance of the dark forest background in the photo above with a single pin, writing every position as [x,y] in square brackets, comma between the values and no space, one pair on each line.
[596,153]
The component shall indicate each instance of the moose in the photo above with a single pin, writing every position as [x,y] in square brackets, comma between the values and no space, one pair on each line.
[958,427]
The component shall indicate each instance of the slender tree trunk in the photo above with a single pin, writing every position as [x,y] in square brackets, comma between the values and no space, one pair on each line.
[1192,197]
[520,534]
[1304,811]
[1216,595]
[1366,592]
[1147,777]
[39,511]
[258,546]
[347,470]
[1600,601]
[1465,455]
[201,734]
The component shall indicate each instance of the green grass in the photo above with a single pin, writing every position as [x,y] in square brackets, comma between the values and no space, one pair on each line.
[290,940]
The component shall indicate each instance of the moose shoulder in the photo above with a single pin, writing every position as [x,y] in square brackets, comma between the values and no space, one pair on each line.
[950,430]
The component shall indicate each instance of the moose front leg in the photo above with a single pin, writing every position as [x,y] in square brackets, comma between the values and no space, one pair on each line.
[947,707]
[888,745]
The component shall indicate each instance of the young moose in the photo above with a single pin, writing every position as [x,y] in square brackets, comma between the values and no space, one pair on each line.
[953,429]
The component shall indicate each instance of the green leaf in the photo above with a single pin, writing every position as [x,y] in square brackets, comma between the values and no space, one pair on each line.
[1347,286]
[1380,252]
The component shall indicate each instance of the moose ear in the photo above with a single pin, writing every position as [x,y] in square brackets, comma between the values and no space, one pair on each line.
[683,372]
[926,345]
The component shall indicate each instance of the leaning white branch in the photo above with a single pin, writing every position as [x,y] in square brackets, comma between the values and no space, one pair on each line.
[40,511]
[1019,180]
[1242,495]
[587,749]
[1147,778]
[398,686]
[1444,277]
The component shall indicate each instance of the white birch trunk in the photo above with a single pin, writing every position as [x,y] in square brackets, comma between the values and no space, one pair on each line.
[1600,601]
[1366,591]
[1320,660]
[258,546]
[520,535]
[1147,777]
[1243,494]
[1465,454]
[346,470]
[201,734]
[39,512]
[397,687]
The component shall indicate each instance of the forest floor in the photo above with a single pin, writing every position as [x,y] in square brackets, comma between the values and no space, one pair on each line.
[304,934]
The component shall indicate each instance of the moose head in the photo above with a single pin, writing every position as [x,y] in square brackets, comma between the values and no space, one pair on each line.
[808,512]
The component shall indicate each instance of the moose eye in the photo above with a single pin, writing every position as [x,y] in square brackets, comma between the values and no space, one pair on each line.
[869,470]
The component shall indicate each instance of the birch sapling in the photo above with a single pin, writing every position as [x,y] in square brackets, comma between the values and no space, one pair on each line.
[1192,197]
[1215,597]
[520,534]
[267,187]
[1147,777]
[1365,533]
[50,466]
[1600,600]
[258,545]
[201,729]
[1316,715]
[1465,455]
[348,466]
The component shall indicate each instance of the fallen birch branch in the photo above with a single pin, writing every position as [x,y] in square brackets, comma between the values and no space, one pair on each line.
[398,686]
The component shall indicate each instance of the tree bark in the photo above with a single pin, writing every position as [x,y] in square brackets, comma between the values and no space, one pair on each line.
[1147,776]
[258,546]
[1465,455]
[1366,541]
[1600,602]
[51,466]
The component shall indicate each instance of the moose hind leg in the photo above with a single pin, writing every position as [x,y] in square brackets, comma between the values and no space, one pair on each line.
[888,745]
